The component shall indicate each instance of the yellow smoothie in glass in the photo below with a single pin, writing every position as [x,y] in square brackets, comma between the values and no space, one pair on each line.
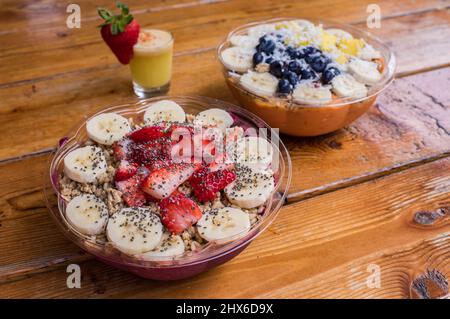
[151,65]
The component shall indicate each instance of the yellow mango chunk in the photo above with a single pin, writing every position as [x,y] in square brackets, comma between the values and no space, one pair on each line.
[351,46]
[341,59]
[328,42]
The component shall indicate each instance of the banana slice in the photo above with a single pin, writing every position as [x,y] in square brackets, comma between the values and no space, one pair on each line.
[134,230]
[368,53]
[237,59]
[305,24]
[244,41]
[88,214]
[170,247]
[85,164]
[364,71]
[260,30]
[263,84]
[251,188]
[107,128]
[256,152]
[164,111]
[222,223]
[308,93]
[345,85]
[340,34]
[214,117]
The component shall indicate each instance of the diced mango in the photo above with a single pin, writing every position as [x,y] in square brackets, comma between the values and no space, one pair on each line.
[341,59]
[328,42]
[351,46]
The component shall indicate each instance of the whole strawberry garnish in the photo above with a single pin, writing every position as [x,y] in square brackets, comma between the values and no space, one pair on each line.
[120,32]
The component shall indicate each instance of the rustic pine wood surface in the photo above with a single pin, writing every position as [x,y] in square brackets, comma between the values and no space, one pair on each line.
[353,194]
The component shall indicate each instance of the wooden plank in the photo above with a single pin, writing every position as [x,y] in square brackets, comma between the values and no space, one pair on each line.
[409,123]
[43,105]
[39,53]
[307,252]
[50,13]
[414,39]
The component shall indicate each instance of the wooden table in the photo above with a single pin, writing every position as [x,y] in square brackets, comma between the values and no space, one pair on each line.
[354,193]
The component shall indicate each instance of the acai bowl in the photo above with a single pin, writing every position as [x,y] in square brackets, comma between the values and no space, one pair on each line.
[305,77]
[114,191]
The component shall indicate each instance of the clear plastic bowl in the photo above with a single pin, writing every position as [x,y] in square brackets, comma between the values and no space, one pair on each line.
[309,120]
[191,263]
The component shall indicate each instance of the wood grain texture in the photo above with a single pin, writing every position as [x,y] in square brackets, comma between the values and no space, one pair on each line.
[321,244]
[42,52]
[354,192]
[48,14]
[409,123]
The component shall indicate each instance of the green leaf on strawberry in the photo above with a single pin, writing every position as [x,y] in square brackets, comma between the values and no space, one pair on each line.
[120,31]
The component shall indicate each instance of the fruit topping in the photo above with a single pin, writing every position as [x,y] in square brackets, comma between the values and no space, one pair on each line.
[120,32]
[131,189]
[125,170]
[284,86]
[297,52]
[179,212]
[206,183]
[164,181]
[148,133]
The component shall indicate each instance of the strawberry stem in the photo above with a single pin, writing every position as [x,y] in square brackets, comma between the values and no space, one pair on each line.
[117,22]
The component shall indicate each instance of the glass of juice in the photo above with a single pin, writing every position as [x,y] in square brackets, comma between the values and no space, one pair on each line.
[151,65]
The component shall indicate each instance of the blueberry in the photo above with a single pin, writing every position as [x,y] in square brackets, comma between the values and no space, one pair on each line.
[294,53]
[258,58]
[310,50]
[295,67]
[276,68]
[329,74]
[266,46]
[308,74]
[291,77]
[284,86]
[268,60]
[291,52]
[319,63]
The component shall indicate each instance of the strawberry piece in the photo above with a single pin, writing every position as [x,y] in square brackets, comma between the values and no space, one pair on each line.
[220,162]
[120,32]
[148,134]
[131,190]
[158,164]
[206,183]
[148,152]
[164,181]
[179,212]
[121,149]
[125,170]
[150,198]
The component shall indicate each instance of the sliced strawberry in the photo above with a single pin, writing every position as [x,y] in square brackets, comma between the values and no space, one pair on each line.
[120,32]
[158,164]
[179,212]
[220,162]
[125,170]
[131,190]
[179,131]
[121,149]
[164,181]
[148,152]
[150,198]
[148,134]
[206,183]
